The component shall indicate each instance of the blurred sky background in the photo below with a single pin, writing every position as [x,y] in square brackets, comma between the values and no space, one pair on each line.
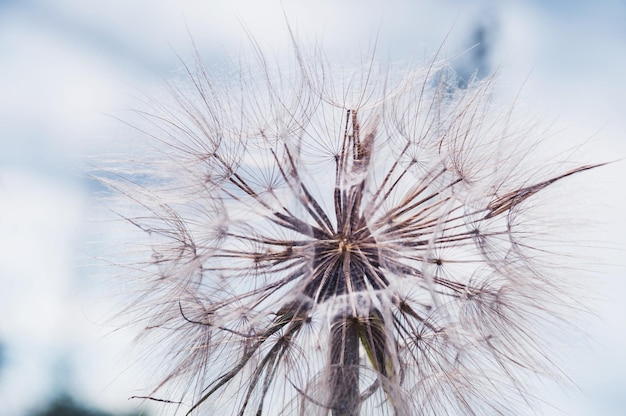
[64,64]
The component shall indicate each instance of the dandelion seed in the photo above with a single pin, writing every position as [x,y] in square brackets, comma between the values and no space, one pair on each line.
[339,245]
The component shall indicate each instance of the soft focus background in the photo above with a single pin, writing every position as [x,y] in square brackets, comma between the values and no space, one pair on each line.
[65,64]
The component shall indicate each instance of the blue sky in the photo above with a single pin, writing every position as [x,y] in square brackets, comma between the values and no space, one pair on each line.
[63,64]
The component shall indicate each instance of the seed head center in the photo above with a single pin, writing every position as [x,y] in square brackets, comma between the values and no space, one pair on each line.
[345,245]
[347,263]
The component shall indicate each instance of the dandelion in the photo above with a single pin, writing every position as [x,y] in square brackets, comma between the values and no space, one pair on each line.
[332,241]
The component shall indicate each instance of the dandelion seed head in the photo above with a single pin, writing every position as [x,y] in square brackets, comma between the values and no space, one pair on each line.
[343,242]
